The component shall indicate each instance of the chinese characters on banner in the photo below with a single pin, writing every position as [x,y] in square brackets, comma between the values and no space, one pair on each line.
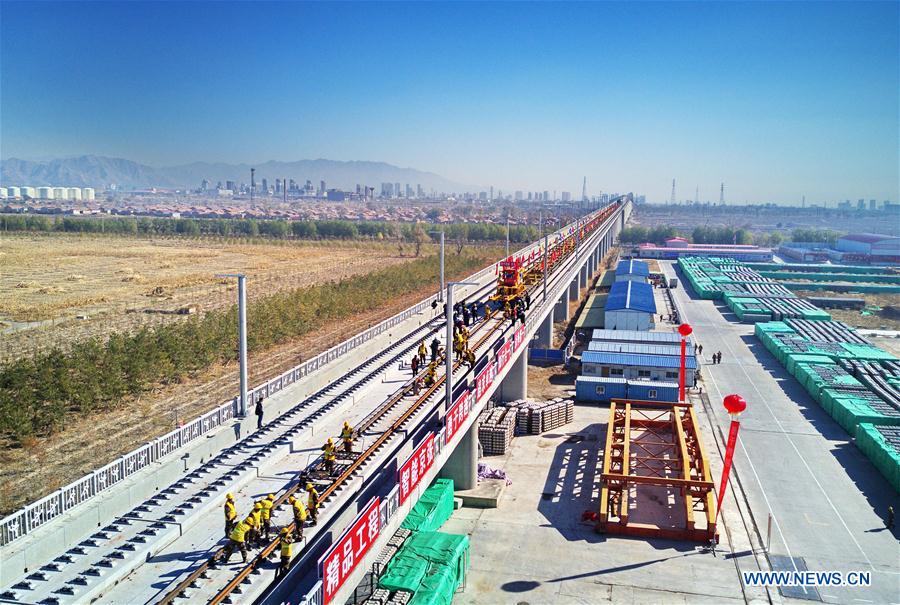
[458,414]
[340,561]
[416,466]
[503,355]
[484,380]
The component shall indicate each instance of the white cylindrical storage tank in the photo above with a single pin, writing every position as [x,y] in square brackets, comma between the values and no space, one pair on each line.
[74,193]
[45,193]
[60,193]
[12,192]
[87,193]
[29,191]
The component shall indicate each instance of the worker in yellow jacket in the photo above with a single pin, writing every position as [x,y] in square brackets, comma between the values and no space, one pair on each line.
[230,514]
[237,539]
[329,456]
[312,503]
[299,517]
[347,437]
[256,533]
[267,503]
[285,543]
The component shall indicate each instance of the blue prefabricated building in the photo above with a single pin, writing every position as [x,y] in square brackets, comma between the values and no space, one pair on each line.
[630,306]
[633,366]
[633,270]
[603,389]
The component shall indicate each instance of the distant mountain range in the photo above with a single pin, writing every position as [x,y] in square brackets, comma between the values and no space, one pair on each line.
[97,171]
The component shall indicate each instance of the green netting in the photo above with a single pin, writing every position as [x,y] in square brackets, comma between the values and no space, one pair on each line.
[876,448]
[794,358]
[430,565]
[815,315]
[772,326]
[867,352]
[850,412]
[433,508]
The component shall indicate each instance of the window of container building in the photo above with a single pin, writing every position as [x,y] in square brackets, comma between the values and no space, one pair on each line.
[671,374]
[601,390]
[651,394]
[616,372]
[643,373]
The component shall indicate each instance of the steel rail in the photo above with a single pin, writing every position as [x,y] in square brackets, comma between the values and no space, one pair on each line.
[263,555]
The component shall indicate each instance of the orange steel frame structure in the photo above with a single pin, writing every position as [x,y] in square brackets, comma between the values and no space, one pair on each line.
[679,464]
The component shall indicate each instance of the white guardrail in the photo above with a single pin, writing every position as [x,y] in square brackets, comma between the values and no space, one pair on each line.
[66,498]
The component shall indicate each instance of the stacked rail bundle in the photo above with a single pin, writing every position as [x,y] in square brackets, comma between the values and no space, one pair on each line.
[881,444]
[855,382]
[496,428]
[535,418]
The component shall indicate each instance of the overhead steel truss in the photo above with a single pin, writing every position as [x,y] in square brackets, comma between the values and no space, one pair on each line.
[657,444]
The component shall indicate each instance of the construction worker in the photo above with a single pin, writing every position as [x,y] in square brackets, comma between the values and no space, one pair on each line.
[414,364]
[347,437]
[256,513]
[267,505]
[417,386]
[430,374]
[435,345]
[299,517]
[312,503]
[230,514]
[237,539]
[329,456]
[470,357]
[422,352]
[252,527]
[285,542]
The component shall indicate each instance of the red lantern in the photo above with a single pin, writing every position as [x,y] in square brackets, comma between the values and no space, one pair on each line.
[685,330]
[735,404]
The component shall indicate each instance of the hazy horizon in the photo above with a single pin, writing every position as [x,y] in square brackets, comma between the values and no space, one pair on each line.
[778,100]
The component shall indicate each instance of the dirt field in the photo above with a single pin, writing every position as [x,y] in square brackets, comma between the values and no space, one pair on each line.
[878,320]
[49,281]
[49,463]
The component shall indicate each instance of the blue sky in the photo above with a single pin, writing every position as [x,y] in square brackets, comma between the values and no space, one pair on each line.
[776,99]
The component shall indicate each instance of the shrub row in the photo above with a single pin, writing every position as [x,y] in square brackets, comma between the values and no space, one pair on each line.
[39,393]
[280,229]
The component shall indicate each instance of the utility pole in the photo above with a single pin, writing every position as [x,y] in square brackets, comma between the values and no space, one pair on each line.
[507,235]
[441,291]
[242,335]
[673,192]
[545,268]
[448,345]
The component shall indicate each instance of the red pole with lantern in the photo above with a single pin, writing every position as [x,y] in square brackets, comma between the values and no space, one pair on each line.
[685,330]
[735,404]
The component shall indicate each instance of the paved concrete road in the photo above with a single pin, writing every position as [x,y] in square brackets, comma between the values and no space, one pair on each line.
[795,462]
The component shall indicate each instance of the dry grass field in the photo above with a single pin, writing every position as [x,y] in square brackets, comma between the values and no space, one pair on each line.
[61,287]
[185,269]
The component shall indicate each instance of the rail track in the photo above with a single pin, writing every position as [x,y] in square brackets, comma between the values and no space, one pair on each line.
[109,556]
[348,471]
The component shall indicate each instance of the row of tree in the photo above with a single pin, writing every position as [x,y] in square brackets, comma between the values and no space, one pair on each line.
[815,236]
[39,393]
[280,229]
[639,235]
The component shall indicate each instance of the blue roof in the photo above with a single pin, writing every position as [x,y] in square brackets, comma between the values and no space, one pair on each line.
[631,296]
[603,379]
[634,347]
[637,336]
[633,267]
[632,359]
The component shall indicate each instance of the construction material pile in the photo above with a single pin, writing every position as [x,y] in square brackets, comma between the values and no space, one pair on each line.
[752,296]
[496,428]
[534,418]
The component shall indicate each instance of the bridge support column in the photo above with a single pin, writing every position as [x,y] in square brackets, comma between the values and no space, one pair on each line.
[462,465]
[561,308]
[584,276]
[544,338]
[515,385]
[573,290]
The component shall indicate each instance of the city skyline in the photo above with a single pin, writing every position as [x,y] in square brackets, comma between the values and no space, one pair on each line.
[776,100]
